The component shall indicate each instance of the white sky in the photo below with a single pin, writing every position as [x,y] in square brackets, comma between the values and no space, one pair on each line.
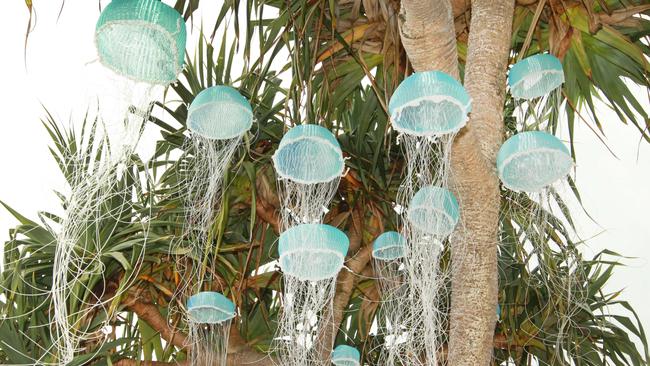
[615,192]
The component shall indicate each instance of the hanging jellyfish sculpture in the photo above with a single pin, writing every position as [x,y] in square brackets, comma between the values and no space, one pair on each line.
[427,109]
[217,119]
[531,163]
[209,316]
[309,164]
[344,355]
[388,253]
[311,256]
[142,44]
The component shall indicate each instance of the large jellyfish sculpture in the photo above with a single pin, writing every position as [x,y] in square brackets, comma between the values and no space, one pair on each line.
[427,110]
[141,45]
[344,355]
[311,256]
[309,165]
[209,318]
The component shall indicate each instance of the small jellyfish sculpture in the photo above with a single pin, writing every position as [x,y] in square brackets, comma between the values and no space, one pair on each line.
[309,165]
[344,355]
[535,86]
[311,256]
[431,217]
[141,45]
[209,316]
[388,251]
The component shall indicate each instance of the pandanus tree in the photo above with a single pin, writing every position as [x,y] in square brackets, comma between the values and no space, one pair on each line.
[337,64]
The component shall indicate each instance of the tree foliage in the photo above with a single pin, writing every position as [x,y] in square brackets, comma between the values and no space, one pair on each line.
[334,63]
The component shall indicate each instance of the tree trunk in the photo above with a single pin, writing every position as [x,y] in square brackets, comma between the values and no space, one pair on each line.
[427,30]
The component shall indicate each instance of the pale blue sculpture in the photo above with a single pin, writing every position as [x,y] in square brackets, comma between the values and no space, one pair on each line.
[210,308]
[312,252]
[309,154]
[143,40]
[219,113]
[344,355]
[429,103]
[434,210]
[530,161]
[535,76]
[389,246]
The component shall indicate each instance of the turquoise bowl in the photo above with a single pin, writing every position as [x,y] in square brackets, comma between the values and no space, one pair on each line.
[312,252]
[388,246]
[535,76]
[530,161]
[344,355]
[210,308]
[219,113]
[434,210]
[143,40]
[429,103]
[309,154]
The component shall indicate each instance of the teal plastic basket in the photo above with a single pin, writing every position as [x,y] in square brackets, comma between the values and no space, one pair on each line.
[389,246]
[530,161]
[143,40]
[219,113]
[210,308]
[535,76]
[344,355]
[434,210]
[309,154]
[429,103]
[312,252]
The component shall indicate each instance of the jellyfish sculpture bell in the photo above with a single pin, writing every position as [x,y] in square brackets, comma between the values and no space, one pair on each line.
[209,315]
[433,210]
[312,252]
[217,119]
[429,103]
[344,355]
[530,161]
[143,40]
[309,164]
[311,256]
[535,76]
[388,246]
[210,308]
[219,113]
[309,154]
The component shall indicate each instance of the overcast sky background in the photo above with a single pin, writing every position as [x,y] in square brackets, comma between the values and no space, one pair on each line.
[616,192]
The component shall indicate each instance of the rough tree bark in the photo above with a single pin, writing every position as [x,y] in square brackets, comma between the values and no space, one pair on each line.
[427,30]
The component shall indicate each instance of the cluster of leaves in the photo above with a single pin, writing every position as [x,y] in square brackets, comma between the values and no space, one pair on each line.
[335,64]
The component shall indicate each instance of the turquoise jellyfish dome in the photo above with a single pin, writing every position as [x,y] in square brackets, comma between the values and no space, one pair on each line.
[530,161]
[210,308]
[143,40]
[312,252]
[219,113]
[433,210]
[344,355]
[309,154]
[429,103]
[535,76]
[388,246]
